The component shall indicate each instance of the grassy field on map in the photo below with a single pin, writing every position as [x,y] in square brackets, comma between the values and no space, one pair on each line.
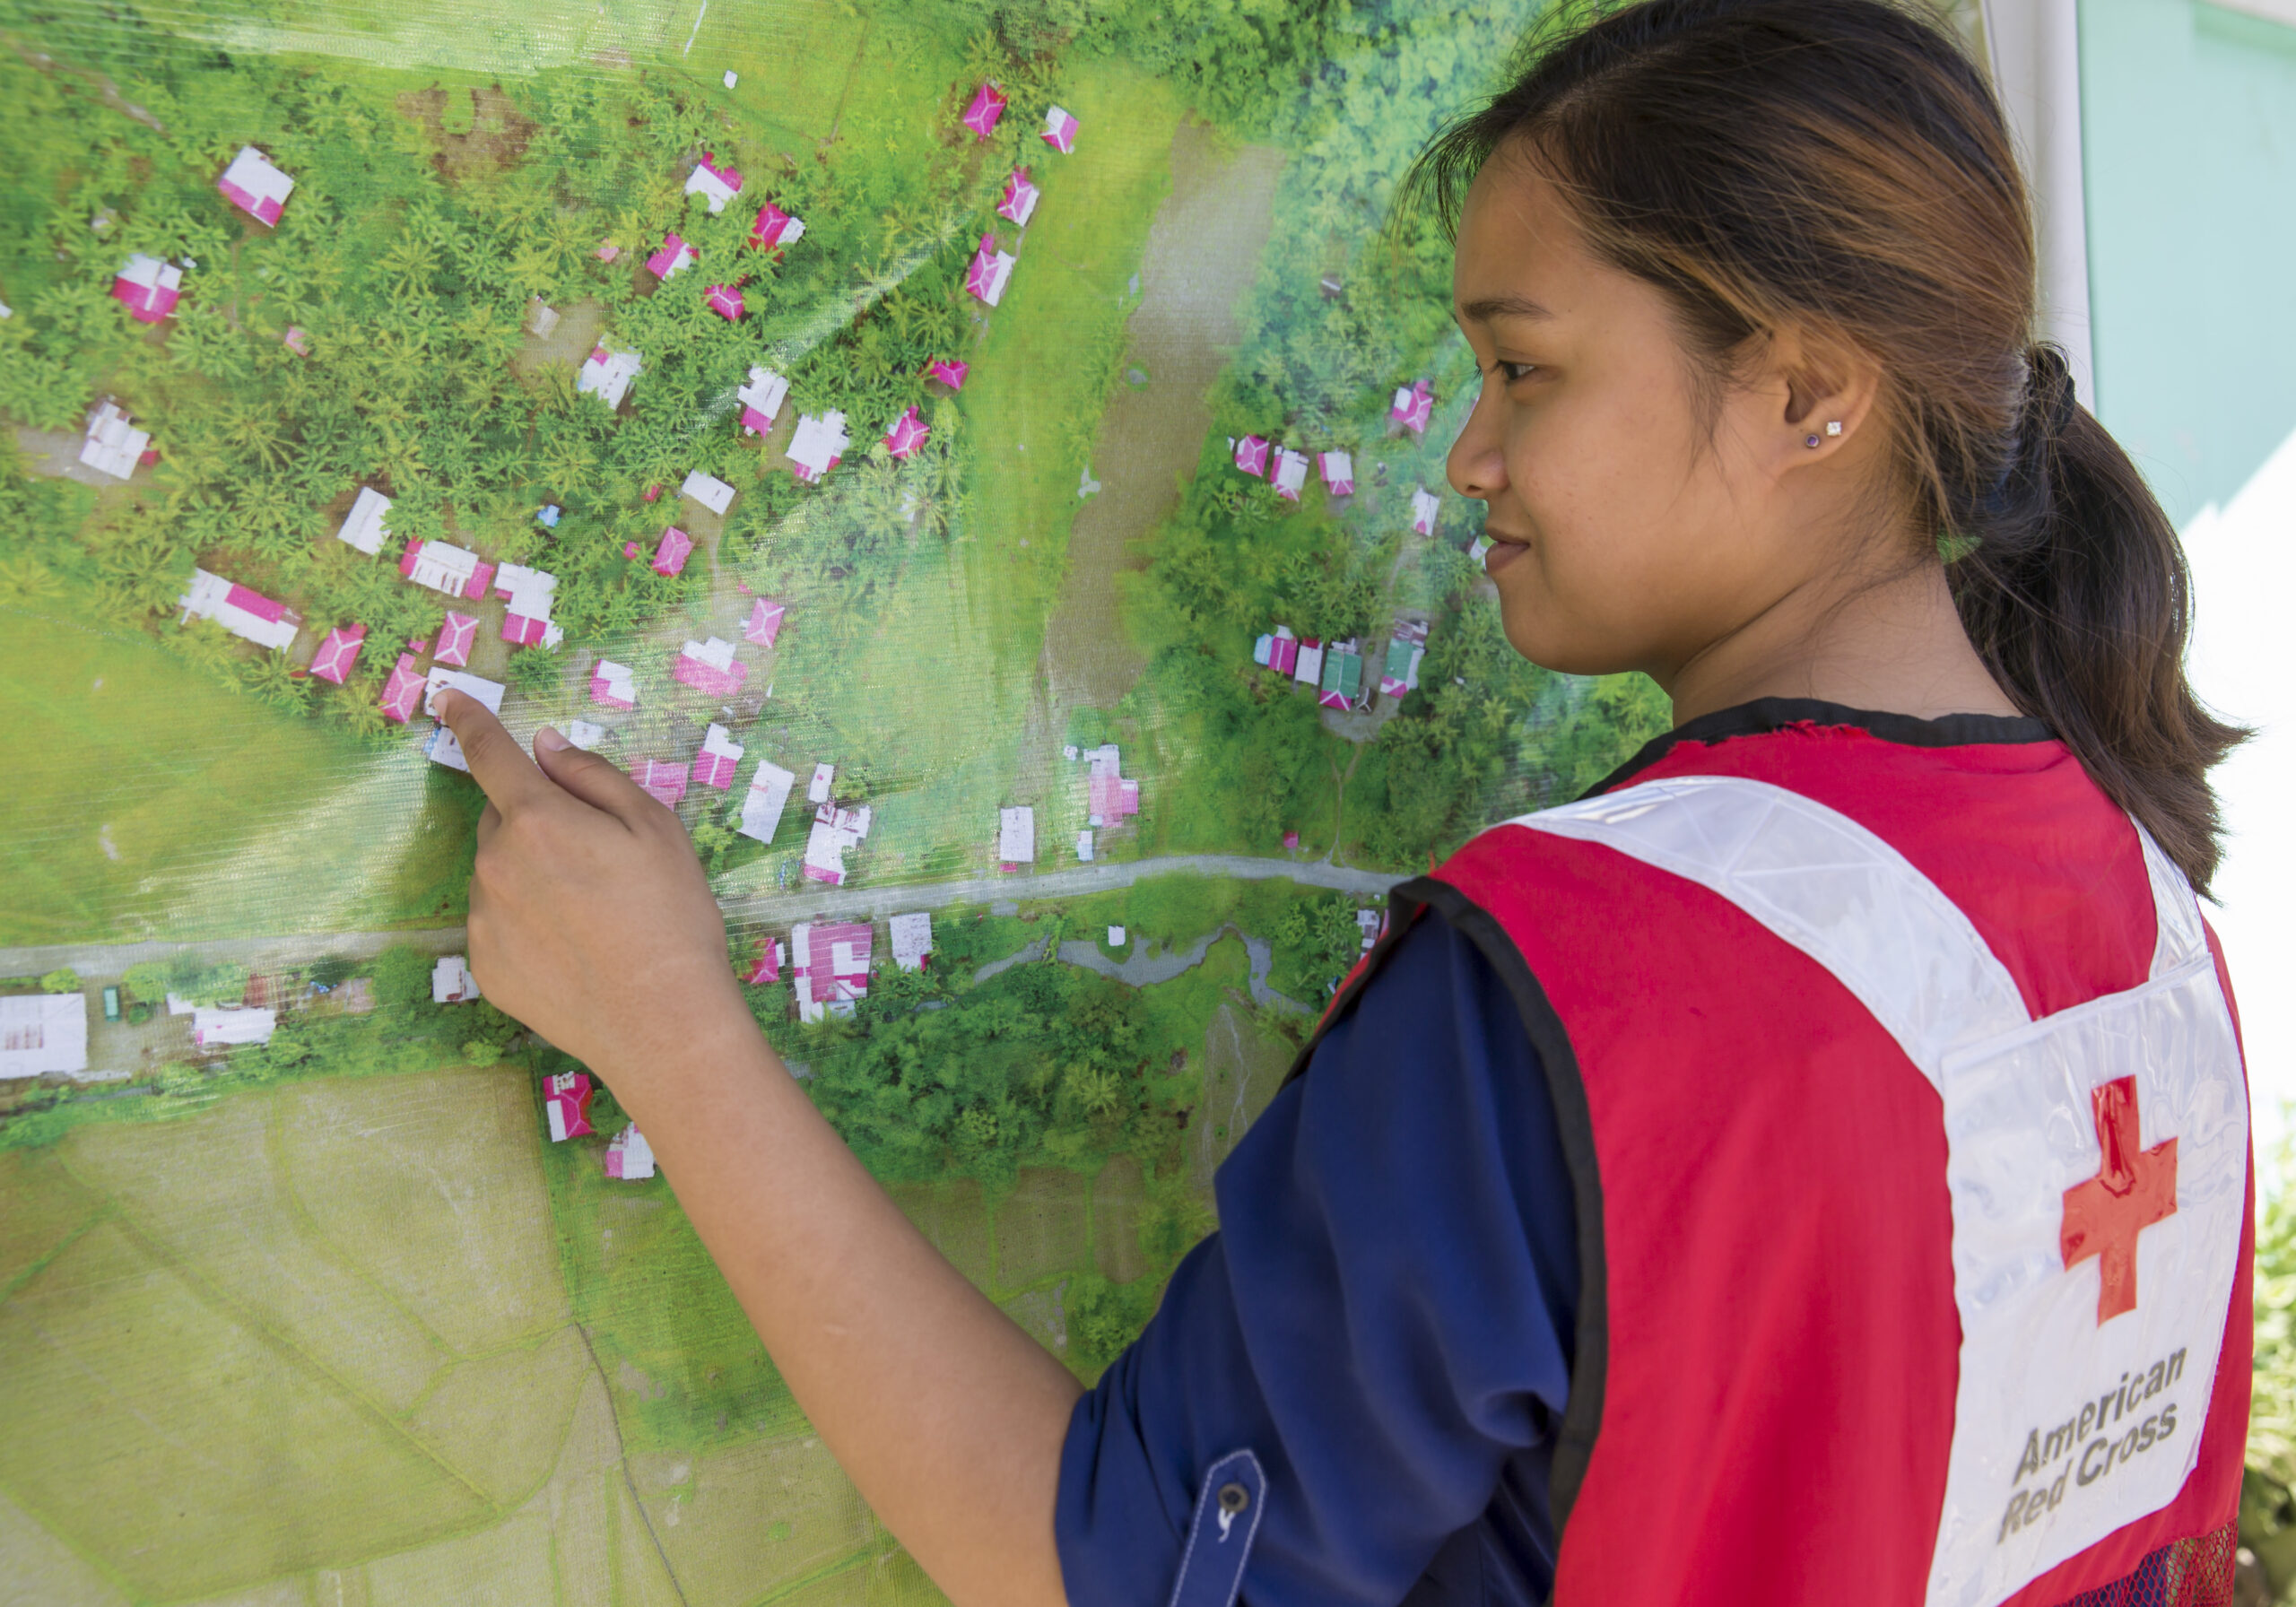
[323,1317]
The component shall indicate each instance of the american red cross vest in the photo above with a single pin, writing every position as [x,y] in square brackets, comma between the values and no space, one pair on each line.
[1904,1104]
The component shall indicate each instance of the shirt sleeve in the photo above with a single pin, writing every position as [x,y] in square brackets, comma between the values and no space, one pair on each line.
[1385,1318]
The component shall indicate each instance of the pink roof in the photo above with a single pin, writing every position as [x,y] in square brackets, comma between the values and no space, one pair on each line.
[772,223]
[1290,839]
[402,692]
[566,1106]
[1113,798]
[664,262]
[145,305]
[949,372]
[818,960]
[1335,698]
[1251,455]
[980,274]
[907,435]
[520,631]
[768,967]
[1060,130]
[1414,408]
[1019,196]
[1283,653]
[295,340]
[707,677]
[257,604]
[338,653]
[725,302]
[765,621]
[480,578]
[727,175]
[713,769]
[667,782]
[607,251]
[754,422]
[406,560]
[988,105]
[669,558]
[602,691]
[456,636]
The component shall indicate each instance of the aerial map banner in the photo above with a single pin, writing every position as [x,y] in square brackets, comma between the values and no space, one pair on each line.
[981,465]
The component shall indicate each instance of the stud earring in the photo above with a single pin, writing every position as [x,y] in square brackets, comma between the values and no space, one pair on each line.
[1833,426]
[1809,441]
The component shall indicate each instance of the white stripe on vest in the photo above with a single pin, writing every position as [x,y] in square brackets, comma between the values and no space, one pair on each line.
[2092,1286]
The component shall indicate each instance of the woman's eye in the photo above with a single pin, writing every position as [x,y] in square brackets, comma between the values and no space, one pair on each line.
[1509,372]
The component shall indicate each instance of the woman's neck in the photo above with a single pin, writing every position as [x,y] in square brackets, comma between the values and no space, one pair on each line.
[1891,642]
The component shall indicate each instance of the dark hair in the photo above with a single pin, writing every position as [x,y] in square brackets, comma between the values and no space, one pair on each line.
[1841,165]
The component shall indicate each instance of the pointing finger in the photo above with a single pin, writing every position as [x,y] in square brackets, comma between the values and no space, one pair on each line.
[499,764]
[598,782]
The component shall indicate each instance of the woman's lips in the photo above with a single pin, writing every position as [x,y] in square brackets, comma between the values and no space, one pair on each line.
[1504,551]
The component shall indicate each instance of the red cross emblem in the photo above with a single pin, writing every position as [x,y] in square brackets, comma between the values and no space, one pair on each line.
[2134,1188]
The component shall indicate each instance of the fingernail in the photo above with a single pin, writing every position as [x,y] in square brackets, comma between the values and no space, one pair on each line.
[549,740]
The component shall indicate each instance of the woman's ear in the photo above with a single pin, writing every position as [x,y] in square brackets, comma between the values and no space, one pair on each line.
[1825,395]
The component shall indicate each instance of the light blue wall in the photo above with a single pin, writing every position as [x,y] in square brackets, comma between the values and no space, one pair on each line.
[2189,128]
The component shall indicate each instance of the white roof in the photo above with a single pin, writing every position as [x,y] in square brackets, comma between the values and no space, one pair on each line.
[43,1034]
[708,490]
[210,1027]
[818,441]
[530,589]
[451,981]
[583,735]
[443,567]
[1016,835]
[1000,274]
[632,1158]
[717,652]
[113,444]
[834,830]
[769,795]
[364,527]
[252,172]
[702,182]
[442,748]
[817,790]
[1104,759]
[1291,470]
[210,598]
[1084,846]
[912,937]
[1115,937]
[606,374]
[766,392]
[150,272]
[1424,505]
[622,680]
[1338,465]
[719,741]
[1310,666]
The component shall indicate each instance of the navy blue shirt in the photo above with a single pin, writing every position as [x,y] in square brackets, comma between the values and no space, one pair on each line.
[1385,1318]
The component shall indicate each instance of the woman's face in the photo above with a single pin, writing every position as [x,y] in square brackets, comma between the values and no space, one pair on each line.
[1633,527]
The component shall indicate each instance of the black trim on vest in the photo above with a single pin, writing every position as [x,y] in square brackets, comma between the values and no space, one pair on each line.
[1765,714]
[1582,1411]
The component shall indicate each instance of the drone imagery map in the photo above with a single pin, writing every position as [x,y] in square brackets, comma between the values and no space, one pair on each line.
[981,466]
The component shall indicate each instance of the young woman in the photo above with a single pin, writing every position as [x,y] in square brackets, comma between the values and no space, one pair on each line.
[1814,1167]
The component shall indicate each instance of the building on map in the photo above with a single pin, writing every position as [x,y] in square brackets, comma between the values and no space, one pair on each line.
[255,186]
[1278,650]
[566,1106]
[218,1029]
[661,778]
[367,526]
[948,371]
[831,967]
[671,550]
[451,982]
[43,1035]
[990,270]
[907,435]
[767,797]
[297,339]
[819,444]
[715,182]
[403,691]
[442,748]
[761,399]
[1251,456]
[264,621]
[148,286]
[1290,475]
[765,622]
[835,830]
[548,515]
[1338,471]
[1109,797]
[1413,408]
[528,592]
[607,375]
[817,789]
[672,259]
[339,653]
[457,635]
[1400,673]
[720,754]
[708,490]
[585,735]
[988,103]
[724,300]
[1060,130]
[775,229]
[1307,666]
[1084,846]
[1424,505]
[1020,199]
[1016,837]
[912,940]
[113,446]
[629,1159]
[767,967]
[709,667]
[1370,924]
[541,318]
[1118,937]
[445,568]
[1343,677]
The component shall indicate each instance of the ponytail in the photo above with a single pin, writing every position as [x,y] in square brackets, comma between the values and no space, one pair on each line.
[2072,584]
[1840,165]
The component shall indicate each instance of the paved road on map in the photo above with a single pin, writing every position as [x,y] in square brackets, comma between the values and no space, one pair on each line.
[813,902]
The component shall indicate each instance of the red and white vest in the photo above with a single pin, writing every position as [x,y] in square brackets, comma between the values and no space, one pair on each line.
[1908,1130]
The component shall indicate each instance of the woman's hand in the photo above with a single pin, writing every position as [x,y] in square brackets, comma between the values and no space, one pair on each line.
[590,919]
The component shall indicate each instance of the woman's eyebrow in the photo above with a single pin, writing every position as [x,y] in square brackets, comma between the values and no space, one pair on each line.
[1483,309]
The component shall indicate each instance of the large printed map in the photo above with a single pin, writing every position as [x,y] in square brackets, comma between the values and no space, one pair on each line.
[981,466]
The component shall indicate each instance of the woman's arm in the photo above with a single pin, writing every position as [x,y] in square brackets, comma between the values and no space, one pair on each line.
[591,923]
